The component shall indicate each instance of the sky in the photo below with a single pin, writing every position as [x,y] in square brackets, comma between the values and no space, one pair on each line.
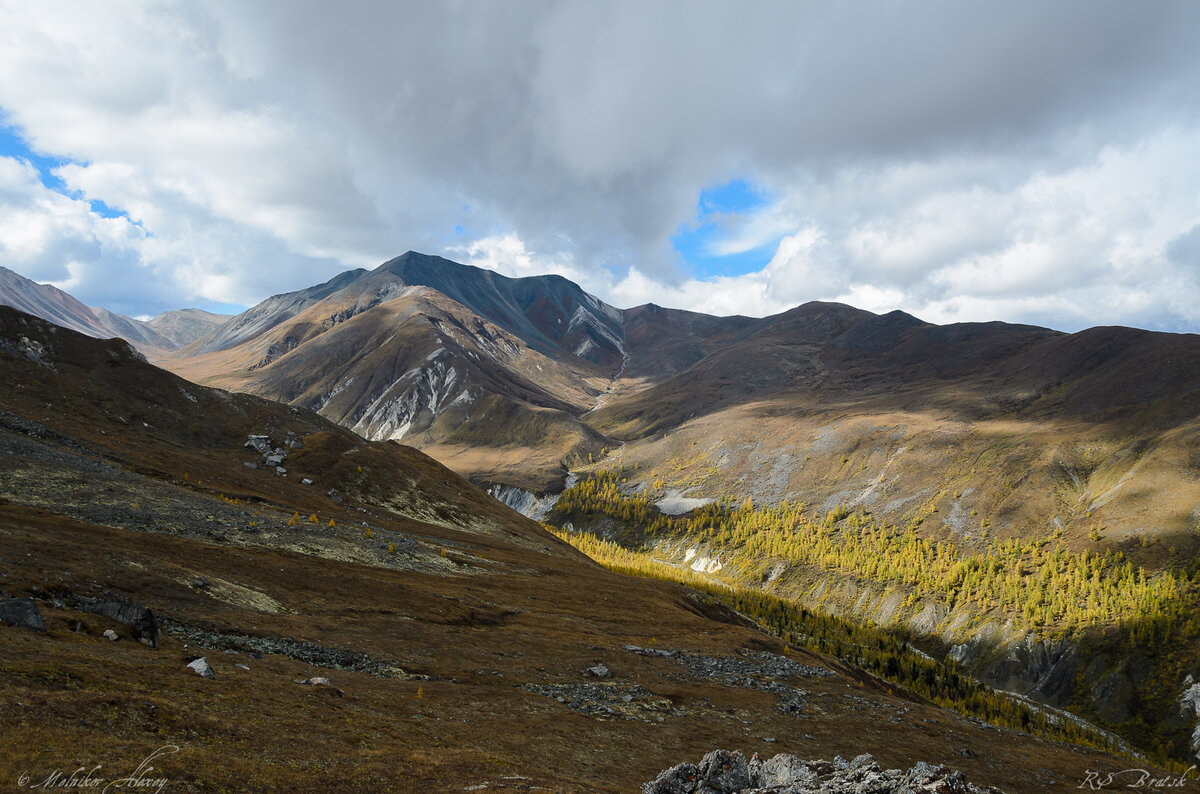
[959,160]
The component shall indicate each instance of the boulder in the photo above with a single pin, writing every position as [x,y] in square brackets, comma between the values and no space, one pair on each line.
[201,668]
[22,612]
[679,779]
[315,681]
[598,671]
[259,443]
[139,619]
[725,771]
[784,770]
[728,772]
[110,635]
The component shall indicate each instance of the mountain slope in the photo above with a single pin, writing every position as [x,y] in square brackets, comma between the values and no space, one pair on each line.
[482,371]
[549,313]
[1016,453]
[495,386]
[169,331]
[413,635]
[968,443]
[50,303]
[181,327]
[268,314]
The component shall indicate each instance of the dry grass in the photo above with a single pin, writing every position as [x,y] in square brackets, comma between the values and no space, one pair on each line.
[517,607]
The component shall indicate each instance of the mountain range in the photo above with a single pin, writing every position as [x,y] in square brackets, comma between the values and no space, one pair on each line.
[243,595]
[168,331]
[1039,463]
[514,382]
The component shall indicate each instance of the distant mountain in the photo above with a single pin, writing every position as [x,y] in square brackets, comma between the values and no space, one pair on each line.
[181,327]
[550,313]
[487,372]
[49,303]
[1015,450]
[167,332]
[515,381]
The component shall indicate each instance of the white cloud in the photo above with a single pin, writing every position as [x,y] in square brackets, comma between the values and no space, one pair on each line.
[963,161]
[1067,249]
[47,236]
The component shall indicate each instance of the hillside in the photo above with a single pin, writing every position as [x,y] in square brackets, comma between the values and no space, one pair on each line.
[975,438]
[370,618]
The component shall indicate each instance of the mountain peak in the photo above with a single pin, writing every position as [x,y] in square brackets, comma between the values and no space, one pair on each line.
[552,312]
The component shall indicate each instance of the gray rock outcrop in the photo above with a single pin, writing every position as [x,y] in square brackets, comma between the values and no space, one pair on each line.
[272,458]
[22,612]
[1189,705]
[140,620]
[728,772]
[1040,668]
[598,670]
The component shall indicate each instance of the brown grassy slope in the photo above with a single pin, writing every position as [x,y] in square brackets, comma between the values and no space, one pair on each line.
[112,483]
[1003,429]
[74,699]
[662,342]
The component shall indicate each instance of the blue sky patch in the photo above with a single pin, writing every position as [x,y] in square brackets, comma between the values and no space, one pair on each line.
[720,211]
[13,145]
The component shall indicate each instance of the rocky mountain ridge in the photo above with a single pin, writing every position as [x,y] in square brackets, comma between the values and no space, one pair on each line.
[167,332]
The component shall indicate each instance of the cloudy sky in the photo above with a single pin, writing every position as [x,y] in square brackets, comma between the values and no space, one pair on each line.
[1024,161]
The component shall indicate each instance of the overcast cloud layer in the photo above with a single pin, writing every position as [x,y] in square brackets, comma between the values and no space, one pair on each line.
[1031,162]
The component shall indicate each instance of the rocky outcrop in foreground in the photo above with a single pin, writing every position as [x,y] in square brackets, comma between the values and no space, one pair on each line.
[726,772]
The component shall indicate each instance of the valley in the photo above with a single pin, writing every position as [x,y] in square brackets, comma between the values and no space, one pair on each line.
[1008,507]
[366,619]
